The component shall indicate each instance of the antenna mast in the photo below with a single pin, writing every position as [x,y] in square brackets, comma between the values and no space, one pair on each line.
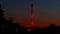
[32,14]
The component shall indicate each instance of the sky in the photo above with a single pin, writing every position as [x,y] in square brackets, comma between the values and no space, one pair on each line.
[45,11]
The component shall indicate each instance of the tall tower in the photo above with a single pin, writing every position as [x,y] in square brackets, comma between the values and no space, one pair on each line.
[32,15]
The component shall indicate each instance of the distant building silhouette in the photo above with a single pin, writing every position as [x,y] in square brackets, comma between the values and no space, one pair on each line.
[11,19]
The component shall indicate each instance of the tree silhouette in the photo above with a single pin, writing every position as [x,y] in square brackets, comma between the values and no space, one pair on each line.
[52,26]
[2,19]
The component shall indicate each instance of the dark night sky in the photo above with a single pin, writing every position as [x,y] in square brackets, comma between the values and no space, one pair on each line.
[46,11]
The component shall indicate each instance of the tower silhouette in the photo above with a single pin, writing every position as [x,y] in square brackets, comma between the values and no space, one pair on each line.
[32,15]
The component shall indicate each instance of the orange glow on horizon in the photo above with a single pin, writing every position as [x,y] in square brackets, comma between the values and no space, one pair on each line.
[37,23]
